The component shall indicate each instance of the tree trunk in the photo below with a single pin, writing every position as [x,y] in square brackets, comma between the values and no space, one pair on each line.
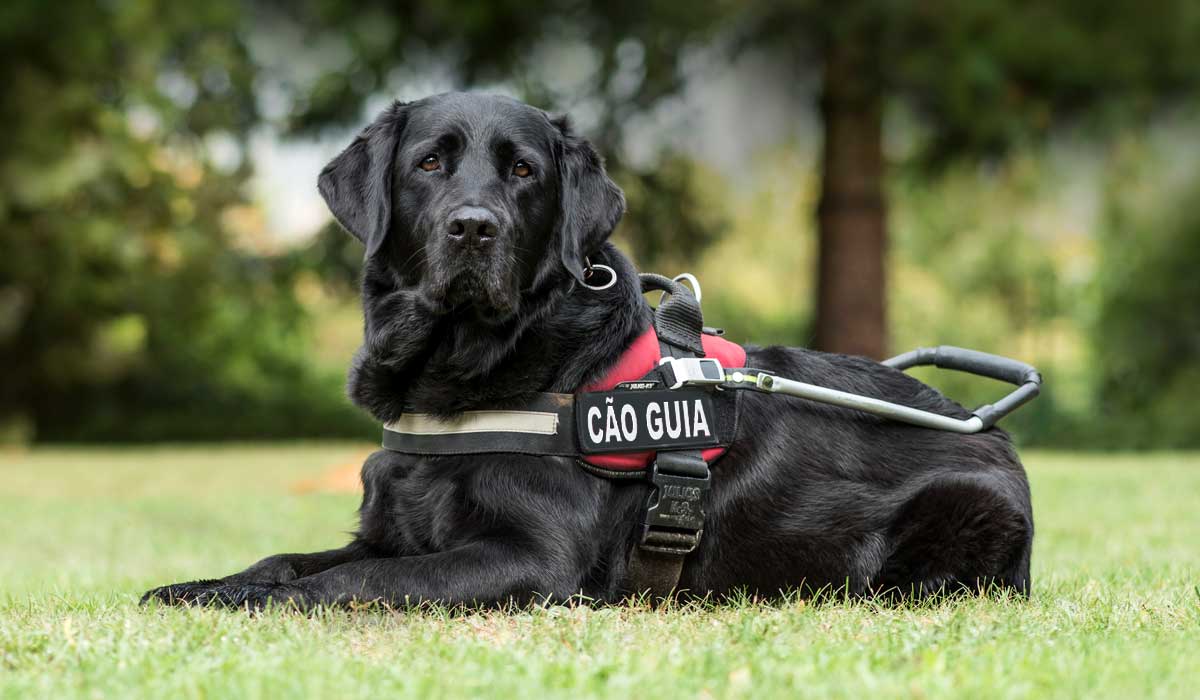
[851,315]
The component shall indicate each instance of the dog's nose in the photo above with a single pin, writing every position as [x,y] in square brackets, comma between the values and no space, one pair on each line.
[473,224]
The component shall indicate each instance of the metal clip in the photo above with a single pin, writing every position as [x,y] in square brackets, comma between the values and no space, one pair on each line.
[693,371]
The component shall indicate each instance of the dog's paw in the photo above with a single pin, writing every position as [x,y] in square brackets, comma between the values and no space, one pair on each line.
[250,596]
[225,593]
[180,593]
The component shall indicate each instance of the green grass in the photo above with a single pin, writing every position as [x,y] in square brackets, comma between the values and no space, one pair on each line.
[1115,610]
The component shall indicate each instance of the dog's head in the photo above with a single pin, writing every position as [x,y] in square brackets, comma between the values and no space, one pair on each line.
[473,199]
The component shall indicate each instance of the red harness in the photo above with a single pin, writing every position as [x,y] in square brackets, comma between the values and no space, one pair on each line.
[640,358]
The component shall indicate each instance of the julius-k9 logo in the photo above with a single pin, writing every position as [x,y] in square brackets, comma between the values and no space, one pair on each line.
[634,421]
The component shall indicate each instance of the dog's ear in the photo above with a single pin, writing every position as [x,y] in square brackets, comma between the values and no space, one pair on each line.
[357,185]
[592,204]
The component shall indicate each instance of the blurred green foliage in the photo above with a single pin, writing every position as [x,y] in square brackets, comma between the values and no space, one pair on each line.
[142,298]
[983,76]
[134,302]
[1147,331]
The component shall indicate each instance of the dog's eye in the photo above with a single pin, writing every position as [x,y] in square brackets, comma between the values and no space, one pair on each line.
[522,169]
[430,163]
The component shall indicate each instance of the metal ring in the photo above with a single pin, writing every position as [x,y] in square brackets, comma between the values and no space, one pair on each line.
[612,277]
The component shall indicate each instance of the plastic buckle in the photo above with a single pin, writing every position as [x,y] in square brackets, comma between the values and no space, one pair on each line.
[675,513]
[693,371]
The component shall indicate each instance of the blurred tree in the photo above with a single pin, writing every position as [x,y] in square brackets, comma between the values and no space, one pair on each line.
[135,301]
[977,76]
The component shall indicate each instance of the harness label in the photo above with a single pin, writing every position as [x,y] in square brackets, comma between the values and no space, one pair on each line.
[637,421]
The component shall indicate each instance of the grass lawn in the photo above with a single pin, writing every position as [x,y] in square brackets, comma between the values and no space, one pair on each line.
[1115,610]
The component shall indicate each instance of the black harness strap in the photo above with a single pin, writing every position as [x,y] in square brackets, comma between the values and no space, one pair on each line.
[563,425]
[674,515]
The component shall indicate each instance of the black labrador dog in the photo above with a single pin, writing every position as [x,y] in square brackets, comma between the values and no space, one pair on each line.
[477,213]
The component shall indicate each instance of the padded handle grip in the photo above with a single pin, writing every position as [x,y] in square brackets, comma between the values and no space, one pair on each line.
[1027,379]
[1000,368]
[972,361]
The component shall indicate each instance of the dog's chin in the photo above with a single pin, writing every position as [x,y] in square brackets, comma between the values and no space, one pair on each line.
[487,300]
[492,316]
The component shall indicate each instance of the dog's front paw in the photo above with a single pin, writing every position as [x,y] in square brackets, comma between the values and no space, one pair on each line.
[180,593]
[251,595]
[225,593]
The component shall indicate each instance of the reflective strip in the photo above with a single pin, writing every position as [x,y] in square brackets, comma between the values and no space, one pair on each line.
[533,422]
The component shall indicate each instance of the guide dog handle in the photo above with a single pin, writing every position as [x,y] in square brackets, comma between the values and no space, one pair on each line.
[763,381]
[1027,379]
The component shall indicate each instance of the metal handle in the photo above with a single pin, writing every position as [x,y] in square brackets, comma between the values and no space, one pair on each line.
[1027,379]
[764,381]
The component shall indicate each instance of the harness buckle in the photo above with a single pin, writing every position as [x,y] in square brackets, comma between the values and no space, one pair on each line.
[692,371]
[675,512]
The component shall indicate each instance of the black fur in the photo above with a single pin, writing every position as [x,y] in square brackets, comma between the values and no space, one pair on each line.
[809,497]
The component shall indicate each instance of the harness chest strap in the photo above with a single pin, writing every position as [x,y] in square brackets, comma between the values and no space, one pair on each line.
[614,427]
